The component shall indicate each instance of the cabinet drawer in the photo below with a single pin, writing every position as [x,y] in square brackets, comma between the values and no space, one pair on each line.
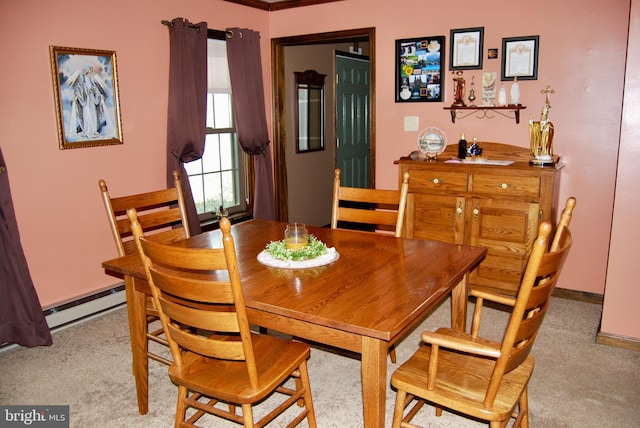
[421,181]
[508,185]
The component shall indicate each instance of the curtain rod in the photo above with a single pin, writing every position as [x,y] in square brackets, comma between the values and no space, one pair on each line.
[228,34]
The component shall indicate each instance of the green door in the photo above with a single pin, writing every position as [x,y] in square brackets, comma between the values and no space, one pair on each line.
[352,119]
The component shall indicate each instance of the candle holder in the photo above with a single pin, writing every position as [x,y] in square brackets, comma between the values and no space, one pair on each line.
[296,236]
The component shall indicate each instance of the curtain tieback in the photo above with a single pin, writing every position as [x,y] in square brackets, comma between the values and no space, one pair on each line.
[258,150]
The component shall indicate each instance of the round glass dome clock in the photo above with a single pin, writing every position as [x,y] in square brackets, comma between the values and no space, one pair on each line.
[431,142]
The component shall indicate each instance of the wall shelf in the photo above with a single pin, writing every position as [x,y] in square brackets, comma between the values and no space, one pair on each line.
[509,111]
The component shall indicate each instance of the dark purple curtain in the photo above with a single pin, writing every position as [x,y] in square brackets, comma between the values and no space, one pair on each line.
[187,113]
[245,69]
[21,317]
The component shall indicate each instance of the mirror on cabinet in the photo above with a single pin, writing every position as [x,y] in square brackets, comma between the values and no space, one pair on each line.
[310,111]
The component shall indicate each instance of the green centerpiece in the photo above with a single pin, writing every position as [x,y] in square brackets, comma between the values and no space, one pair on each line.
[278,250]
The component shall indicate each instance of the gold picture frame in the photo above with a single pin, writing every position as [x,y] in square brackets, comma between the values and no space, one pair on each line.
[85,87]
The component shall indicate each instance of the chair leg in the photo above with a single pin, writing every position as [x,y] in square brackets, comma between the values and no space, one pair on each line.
[524,408]
[477,315]
[399,408]
[247,415]
[181,407]
[308,401]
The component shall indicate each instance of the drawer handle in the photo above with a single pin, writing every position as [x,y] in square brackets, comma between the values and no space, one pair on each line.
[459,209]
[437,181]
[503,186]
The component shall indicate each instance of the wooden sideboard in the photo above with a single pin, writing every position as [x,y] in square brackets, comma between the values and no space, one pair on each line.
[494,206]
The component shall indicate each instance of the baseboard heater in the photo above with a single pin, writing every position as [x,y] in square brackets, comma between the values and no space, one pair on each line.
[90,306]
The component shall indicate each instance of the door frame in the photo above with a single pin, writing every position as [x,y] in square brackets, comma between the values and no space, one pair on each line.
[278,84]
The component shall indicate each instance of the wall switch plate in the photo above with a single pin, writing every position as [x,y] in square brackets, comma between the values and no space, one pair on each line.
[411,123]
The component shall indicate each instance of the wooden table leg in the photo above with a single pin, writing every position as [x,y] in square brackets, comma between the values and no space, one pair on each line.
[459,300]
[374,381]
[138,324]
[129,289]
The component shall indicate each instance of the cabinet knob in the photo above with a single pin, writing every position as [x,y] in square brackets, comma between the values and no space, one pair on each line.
[503,186]
[476,212]
[459,209]
[437,181]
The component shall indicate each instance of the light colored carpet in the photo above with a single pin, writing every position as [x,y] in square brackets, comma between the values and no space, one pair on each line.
[576,383]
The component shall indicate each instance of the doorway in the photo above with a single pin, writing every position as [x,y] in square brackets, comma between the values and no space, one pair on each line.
[283,125]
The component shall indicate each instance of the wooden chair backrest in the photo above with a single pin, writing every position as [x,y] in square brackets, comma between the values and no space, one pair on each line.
[382,209]
[158,211]
[199,294]
[539,280]
[565,221]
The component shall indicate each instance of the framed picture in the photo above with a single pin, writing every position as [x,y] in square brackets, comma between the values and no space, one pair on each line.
[85,87]
[520,58]
[419,64]
[466,48]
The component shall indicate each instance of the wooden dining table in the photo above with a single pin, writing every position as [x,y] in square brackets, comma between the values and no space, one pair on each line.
[365,301]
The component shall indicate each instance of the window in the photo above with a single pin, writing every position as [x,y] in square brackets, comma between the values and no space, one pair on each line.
[218,178]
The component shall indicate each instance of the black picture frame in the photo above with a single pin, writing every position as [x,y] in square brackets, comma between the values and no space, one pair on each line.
[466,48]
[419,68]
[520,58]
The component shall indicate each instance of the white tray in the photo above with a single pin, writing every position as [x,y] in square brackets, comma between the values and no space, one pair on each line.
[481,161]
[331,256]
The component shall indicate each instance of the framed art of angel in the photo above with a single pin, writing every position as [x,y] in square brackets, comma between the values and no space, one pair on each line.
[85,85]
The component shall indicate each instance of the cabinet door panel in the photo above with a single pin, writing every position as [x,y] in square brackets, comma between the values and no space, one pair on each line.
[507,228]
[436,217]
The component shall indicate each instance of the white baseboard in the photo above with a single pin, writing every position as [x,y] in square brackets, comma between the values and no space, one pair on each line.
[90,307]
[69,314]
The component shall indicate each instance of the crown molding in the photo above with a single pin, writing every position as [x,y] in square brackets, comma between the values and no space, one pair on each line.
[279,4]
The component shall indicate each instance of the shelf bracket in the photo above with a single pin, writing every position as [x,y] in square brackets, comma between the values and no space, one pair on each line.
[510,112]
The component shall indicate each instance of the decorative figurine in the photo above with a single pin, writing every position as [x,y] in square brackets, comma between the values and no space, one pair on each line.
[502,96]
[472,91]
[515,92]
[488,88]
[458,90]
[475,149]
[541,134]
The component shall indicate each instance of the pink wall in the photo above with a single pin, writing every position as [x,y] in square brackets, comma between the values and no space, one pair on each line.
[620,315]
[61,219]
[585,67]
[60,215]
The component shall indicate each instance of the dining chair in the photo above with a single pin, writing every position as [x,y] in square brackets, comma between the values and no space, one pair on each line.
[502,299]
[477,377]
[218,362]
[376,210]
[161,213]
